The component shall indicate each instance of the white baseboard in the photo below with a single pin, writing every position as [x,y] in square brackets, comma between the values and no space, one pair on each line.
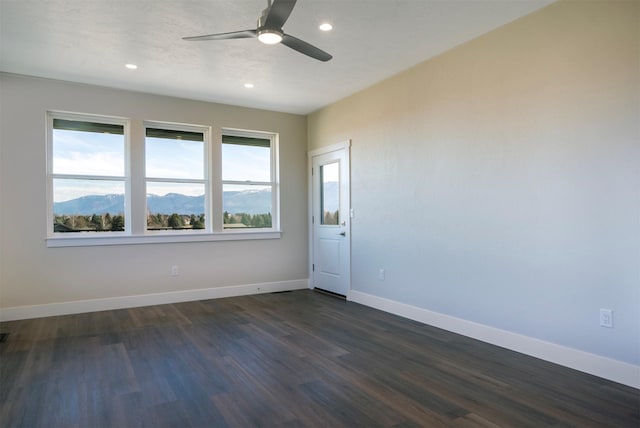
[109,303]
[607,368]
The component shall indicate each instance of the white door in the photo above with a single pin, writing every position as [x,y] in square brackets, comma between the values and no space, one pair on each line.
[331,260]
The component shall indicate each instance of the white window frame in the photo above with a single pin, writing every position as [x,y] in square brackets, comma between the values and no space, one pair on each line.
[110,120]
[135,187]
[206,180]
[274,180]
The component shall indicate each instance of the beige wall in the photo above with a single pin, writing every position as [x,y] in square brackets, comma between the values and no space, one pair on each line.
[32,274]
[506,177]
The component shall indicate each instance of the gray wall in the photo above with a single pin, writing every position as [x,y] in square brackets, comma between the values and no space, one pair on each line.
[506,179]
[32,274]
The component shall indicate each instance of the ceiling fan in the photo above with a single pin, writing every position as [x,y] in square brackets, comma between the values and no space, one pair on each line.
[270,32]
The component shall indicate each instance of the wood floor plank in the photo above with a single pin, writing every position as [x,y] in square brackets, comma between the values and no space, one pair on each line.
[297,359]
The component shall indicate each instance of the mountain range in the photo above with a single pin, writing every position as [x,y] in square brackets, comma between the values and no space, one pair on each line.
[234,202]
[247,201]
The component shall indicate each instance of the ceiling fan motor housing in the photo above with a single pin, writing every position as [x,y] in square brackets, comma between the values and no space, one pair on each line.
[268,35]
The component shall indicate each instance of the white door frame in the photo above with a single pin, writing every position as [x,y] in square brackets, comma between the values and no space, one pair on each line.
[346,146]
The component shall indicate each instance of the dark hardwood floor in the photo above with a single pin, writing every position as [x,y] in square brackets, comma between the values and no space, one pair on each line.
[298,359]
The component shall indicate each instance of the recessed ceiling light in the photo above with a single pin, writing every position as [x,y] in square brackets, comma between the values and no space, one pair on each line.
[249,85]
[325,26]
[131,66]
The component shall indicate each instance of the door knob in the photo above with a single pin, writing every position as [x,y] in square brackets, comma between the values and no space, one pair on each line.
[343,233]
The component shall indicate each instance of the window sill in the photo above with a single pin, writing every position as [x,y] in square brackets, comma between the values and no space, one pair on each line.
[92,240]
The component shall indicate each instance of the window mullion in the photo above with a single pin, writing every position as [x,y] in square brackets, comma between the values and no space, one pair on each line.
[216,185]
[137,203]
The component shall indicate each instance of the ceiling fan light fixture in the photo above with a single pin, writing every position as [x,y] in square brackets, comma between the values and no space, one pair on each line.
[269,37]
[269,31]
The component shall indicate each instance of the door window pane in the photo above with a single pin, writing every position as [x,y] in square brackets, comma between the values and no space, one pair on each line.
[330,193]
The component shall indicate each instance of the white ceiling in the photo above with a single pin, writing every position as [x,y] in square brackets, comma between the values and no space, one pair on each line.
[90,41]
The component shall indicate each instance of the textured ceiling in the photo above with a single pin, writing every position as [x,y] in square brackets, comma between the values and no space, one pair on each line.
[90,41]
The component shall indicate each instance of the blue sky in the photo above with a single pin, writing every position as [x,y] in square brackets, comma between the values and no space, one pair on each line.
[89,153]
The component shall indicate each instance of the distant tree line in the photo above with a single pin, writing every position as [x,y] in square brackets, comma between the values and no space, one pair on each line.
[175,221]
[115,223]
[89,223]
[331,217]
[248,220]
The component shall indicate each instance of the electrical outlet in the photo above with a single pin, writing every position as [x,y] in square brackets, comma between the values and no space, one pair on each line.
[175,271]
[381,274]
[606,318]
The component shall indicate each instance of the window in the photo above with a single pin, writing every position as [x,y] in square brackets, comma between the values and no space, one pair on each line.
[249,185]
[88,175]
[330,193]
[110,188]
[176,178]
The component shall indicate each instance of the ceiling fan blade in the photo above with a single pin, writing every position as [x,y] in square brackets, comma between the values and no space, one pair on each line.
[278,13]
[245,34]
[305,48]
